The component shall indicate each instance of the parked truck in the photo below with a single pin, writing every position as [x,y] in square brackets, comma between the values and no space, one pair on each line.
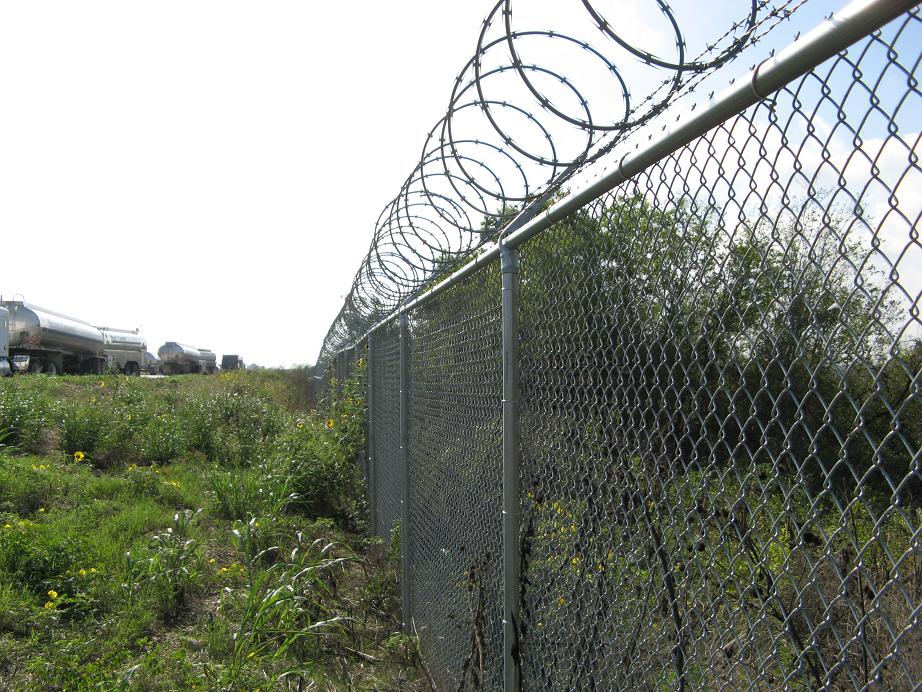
[181,359]
[208,360]
[41,340]
[126,350]
[5,369]
[231,362]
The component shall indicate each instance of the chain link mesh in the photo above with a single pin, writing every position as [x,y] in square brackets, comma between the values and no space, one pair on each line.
[456,482]
[721,417]
[720,411]
[385,354]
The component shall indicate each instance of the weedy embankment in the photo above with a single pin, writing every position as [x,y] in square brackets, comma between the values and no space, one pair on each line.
[190,533]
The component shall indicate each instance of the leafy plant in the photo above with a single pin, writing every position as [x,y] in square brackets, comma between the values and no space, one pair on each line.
[84,427]
[284,609]
[161,439]
[23,416]
[171,567]
[243,493]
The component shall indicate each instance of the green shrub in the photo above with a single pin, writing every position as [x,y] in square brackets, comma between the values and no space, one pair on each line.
[160,439]
[170,568]
[322,477]
[242,493]
[255,539]
[285,608]
[40,555]
[29,484]
[23,416]
[84,427]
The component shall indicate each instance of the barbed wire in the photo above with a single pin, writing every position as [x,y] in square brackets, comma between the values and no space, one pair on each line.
[531,109]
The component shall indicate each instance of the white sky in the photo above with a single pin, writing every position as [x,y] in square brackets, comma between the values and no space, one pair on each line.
[212,171]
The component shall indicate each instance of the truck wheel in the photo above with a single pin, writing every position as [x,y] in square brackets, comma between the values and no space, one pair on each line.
[132,369]
[50,368]
[35,366]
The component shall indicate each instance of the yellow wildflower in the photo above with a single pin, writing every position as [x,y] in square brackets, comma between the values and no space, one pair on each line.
[330,423]
[212,561]
[49,604]
[300,424]
[82,572]
[79,456]
[92,570]
[41,510]
[7,526]
[52,594]
[102,384]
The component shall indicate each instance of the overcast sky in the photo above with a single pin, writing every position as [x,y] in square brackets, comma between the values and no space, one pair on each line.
[212,171]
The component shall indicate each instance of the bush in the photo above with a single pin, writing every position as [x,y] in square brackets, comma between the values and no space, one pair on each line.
[23,416]
[160,439]
[170,568]
[26,487]
[39,555]
[319,471]
[243,493]
[84,427]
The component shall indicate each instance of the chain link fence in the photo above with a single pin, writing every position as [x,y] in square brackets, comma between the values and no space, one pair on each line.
[717,430]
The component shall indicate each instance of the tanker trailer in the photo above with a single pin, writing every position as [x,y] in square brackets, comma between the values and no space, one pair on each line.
[126,351]
[209,360]
[179,359]
[5,370]
[41,340]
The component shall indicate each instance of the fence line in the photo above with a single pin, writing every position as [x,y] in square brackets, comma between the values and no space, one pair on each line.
[668,433]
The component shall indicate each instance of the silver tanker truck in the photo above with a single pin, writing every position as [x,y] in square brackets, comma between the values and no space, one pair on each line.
[5,369]
[41,340]
[126,351]
[180,359]
[209,360]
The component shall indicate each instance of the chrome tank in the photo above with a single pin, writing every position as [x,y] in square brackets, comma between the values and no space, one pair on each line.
[122,340]
[33,327]
[207,358]
[173,352]
[4,342]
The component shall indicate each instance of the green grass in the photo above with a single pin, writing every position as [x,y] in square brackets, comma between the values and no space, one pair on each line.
[188,533]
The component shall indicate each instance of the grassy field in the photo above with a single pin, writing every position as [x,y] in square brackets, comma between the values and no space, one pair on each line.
[190,533]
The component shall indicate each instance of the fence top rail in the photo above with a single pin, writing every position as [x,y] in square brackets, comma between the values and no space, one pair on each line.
[853,22]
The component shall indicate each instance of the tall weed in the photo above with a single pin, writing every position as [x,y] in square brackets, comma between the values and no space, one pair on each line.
[84,427]
[23,416]
[171,567]
[284,611]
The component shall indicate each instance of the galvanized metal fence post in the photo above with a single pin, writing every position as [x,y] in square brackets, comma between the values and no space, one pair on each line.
[511,507]
[370,476]
[405,469]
